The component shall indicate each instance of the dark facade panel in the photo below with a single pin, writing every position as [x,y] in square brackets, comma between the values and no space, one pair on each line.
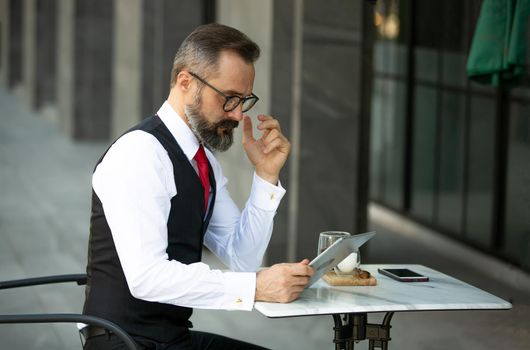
[281,98]
[331,83]
[93,40]
[166,23]
[331,90]
[46,34]
[16,47]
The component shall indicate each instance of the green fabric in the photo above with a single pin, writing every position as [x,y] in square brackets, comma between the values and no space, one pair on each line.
[498,51]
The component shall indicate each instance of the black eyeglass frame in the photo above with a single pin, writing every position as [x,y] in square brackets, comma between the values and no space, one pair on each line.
[240,100]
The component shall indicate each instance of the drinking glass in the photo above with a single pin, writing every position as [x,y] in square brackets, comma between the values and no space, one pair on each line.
[352,261]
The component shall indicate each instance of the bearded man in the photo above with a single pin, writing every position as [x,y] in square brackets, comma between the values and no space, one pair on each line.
[159,195]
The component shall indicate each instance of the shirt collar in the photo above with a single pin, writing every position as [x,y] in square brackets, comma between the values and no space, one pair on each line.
[179,129]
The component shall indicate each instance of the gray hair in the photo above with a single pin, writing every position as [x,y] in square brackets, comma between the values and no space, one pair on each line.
[200,51]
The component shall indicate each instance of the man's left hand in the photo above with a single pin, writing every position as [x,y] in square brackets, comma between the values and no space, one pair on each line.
[268,153]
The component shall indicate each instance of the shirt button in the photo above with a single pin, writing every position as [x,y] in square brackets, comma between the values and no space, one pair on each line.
[239,301]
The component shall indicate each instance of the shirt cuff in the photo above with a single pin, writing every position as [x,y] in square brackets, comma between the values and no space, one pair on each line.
[240,290]
[265,195]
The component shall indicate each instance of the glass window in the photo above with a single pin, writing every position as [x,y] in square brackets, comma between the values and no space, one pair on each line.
[429,24]
[454,69]
[453,36]
[454,43]
[426,67]
[480,170]
[376,147]
[390,50]
[517,239]
[393,141]
[423,154]
[452,148]
[390,57]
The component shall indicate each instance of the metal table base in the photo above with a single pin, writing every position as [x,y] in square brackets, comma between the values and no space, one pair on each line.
[353,327]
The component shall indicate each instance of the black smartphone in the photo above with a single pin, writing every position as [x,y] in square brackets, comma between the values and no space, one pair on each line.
[404,275]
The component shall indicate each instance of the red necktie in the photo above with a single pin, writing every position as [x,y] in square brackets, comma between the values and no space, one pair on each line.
[202,164]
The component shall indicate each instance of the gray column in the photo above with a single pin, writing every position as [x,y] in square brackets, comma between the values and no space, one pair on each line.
[45,53]
[318,95]
[166,23]
[15,47]
[127,60]
[65,65]
[84,61]
[29,42]
[4,42]
[281,108]
[331,90]
[244,15]
[39,33]
[93,68]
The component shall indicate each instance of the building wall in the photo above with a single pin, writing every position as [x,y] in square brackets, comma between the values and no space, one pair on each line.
[313,52]
[110,67]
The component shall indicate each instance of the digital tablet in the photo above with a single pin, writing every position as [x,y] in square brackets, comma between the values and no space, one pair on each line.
[335,253]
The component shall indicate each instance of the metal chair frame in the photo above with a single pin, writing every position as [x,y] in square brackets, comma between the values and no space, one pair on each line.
[80,279]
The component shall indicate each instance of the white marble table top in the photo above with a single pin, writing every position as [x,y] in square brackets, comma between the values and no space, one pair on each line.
[442,292]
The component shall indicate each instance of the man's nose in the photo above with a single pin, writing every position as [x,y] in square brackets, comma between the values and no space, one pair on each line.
[236,114]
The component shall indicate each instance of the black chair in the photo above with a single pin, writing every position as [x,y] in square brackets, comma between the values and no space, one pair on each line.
[80,279]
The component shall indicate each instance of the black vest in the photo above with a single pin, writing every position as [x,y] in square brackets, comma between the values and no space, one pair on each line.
[107,293]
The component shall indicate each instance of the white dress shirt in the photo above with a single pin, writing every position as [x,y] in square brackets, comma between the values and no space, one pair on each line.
[135,185]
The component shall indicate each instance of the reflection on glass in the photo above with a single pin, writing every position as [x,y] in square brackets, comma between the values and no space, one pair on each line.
[387,141]
[393,142]
[426,68]
[376,140]
[386,19]
[480,170]
[450,196]
[424,152]
[517,240]
[454,69]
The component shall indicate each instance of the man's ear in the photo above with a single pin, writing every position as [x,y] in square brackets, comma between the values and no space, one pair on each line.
[184,81]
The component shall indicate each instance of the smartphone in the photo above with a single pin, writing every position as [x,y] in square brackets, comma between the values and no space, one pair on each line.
[404,275]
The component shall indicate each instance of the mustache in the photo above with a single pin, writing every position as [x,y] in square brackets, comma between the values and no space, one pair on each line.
[227,124]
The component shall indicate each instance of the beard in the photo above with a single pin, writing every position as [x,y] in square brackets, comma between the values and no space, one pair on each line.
[217,136]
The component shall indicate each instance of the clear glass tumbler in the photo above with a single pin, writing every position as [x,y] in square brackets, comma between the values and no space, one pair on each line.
[327,238]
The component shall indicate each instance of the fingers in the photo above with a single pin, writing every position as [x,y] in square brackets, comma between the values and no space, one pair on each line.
[273,139]
[247,129]
[300,281]
[272,145]
[300,269]
[268,123]
[282,282]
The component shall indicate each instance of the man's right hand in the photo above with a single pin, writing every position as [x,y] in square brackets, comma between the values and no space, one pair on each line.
[283,283]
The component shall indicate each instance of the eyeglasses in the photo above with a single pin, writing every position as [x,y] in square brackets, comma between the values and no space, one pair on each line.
[232,102]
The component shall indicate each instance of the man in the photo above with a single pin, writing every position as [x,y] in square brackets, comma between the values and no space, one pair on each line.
[159,194]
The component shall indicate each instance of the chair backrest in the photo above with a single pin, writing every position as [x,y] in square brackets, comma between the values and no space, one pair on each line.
[80,279]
